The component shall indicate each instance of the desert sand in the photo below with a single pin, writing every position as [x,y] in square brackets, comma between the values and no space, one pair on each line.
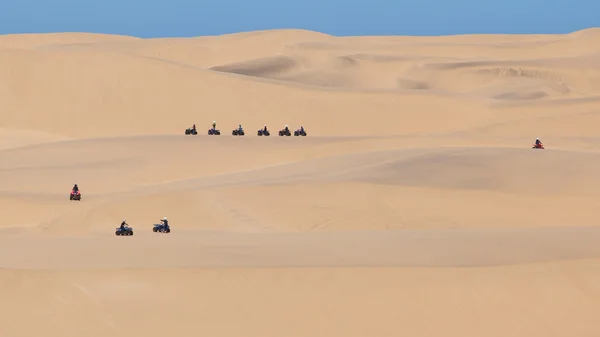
[414,207]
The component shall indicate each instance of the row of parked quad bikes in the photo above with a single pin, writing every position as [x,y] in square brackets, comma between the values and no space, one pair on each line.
[238,132]
[125,231]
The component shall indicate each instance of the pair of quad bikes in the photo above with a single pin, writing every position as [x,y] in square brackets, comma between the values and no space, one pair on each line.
[128,231]
[125,231]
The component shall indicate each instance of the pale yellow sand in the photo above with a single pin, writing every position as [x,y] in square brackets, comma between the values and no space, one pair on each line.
[415,206]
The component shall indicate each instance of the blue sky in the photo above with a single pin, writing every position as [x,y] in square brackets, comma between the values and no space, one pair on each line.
[186,18]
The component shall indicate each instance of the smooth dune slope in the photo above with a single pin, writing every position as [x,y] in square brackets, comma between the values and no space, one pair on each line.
[415,206]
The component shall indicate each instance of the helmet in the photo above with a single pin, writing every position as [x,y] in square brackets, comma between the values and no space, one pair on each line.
[213,121]
[286,126]
[165,218]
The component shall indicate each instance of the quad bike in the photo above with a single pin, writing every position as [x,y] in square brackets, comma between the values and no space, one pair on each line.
[299,132]
[190,131]
[262,132]
[237,132]
[284,133]
[213,132]
[75,196]
[538,146]
[161,228]
[126,231]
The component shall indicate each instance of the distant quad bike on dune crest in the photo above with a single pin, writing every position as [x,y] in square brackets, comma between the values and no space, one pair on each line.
[284,132]
[190,131]
[161,228]
[214,132]
[262,132]
[75,195]
[300,132]
[125,231]
[237,132]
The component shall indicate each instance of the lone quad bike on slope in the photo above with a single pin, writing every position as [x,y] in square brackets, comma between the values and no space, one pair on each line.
[191,131]
[161,228]
[125,231]
[75,195]
[538,146]
[213,132]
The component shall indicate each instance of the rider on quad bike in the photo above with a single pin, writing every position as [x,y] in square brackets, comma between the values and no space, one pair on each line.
[286,129]
[194,127]
[124,225]
[538,142]
[265,128]
[165,222]
[214,125]
[240,129]
[75,189]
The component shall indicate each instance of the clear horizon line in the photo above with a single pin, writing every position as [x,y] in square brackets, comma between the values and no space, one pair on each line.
[288,29]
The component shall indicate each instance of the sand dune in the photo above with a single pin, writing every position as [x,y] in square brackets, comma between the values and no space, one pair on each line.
[415,205]
[500,79]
